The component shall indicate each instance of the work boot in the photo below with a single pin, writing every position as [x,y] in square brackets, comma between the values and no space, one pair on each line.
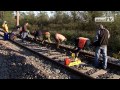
[104,67]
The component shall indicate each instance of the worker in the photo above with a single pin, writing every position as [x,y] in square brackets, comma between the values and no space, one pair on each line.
[46,37]
[38,35]
[20,31]
[13,35]
[101,42]
[18,28]
[24,31]
[59,38]
[5,29]
[80,44]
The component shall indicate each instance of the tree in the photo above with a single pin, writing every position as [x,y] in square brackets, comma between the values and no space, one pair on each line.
[66,18]
[9,17]
[1,14]
[74,16]
[58,17]
[42,19]
[93,14]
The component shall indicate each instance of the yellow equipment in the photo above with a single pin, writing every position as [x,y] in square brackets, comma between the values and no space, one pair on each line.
[76,62]
[73,55]
[73,61]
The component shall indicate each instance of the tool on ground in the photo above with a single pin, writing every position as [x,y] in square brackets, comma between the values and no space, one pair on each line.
[72,61]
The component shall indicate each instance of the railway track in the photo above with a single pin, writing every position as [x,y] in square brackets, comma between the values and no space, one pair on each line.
[84,70]
[19,63]
[112,62]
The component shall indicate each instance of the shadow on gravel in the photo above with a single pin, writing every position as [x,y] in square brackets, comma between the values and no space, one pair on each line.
[15,67]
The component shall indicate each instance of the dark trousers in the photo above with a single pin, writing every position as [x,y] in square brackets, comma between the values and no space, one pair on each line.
[6,36]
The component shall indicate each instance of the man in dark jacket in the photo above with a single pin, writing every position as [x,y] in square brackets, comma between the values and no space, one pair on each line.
[101,42]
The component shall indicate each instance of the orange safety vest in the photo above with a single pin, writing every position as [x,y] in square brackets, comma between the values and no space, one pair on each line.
[82,42]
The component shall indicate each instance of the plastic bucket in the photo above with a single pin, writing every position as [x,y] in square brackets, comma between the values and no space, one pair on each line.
[67,61]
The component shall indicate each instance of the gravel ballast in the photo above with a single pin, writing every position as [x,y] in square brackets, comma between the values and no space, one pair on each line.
[17,63]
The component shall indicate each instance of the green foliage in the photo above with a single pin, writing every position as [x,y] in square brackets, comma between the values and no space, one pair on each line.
[75,24]
[8,16]
[116,55]
[93,14]
[72,24]
[114,43]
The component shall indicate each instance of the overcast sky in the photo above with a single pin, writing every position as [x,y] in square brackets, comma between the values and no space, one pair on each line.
[49,12]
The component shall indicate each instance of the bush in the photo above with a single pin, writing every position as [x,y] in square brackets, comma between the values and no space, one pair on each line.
[33,27]
[114,43]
